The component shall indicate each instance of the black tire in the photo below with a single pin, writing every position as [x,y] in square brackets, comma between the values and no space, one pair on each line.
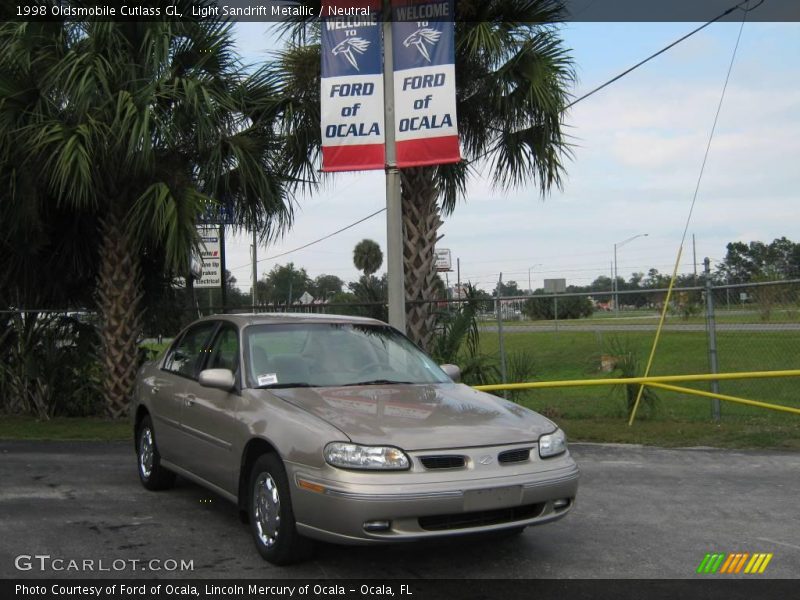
[148,462]
[269,507]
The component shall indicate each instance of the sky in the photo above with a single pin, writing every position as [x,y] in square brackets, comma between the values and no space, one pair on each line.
[638,149]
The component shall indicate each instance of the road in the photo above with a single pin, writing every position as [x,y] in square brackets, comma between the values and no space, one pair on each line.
[641,513]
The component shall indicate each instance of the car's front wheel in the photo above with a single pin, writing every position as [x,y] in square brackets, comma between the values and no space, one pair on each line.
[271,516]
[152,475]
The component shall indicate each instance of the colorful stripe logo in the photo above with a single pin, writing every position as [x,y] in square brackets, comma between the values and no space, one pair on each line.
[734,563]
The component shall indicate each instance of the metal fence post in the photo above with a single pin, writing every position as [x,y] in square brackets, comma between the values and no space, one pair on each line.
[711,331]
[555,310]
[500,333]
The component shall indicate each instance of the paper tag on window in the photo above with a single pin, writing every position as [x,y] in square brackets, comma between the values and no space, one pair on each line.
[267,379]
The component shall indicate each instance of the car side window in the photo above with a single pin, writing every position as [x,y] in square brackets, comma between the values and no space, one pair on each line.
[186,356]
[225,350]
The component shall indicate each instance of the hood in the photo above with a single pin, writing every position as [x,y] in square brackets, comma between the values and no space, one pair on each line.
[420,416]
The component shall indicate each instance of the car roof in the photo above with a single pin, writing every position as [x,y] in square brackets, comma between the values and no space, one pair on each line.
[245,319]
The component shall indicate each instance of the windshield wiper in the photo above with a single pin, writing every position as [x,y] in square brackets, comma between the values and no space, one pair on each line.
[277,386]
[379,382]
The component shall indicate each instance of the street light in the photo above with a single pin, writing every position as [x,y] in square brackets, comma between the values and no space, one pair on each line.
[530,287]
[615,286]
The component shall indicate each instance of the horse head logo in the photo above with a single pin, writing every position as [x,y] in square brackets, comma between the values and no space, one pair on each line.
[421,38]
[348,46]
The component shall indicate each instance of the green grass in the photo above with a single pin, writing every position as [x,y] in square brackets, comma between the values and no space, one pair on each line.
[64,428]
[600,413]
[651,317]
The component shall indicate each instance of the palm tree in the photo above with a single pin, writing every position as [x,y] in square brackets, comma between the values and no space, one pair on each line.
[513,74]
[367,257]
[142,126]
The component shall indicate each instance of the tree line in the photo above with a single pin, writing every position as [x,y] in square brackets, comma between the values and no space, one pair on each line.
[116,137]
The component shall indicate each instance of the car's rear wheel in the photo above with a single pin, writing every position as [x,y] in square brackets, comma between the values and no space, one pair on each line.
[151,473]
[271,516]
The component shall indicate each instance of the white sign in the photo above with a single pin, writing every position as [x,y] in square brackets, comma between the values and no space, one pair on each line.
[442,259]
[210,257]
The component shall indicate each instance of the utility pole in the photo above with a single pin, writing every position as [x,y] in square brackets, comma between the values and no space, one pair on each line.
[224,294]
[255,268]
[711,329]
[394,207]
[694,258]
[458,276]
[614,284]
[500,333]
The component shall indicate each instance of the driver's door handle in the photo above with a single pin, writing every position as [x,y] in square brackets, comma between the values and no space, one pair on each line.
[190,400]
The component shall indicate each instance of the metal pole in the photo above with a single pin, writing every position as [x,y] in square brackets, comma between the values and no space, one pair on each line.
[555,312]
[255,268]
[694,258]
[616,296]
[394,207]
[711,331]
[458,276]
[616,274]
[222,266]
[611,297]
[500,333]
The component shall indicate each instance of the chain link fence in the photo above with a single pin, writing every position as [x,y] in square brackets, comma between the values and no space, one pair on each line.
[570,336]
[725,328]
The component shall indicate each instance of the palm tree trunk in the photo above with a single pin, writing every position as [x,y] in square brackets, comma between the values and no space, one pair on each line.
[119,293]
[421,224]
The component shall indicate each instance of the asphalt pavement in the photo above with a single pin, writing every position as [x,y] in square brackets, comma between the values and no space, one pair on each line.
[641,513]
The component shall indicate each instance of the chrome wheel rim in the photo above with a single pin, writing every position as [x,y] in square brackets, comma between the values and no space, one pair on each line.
[146,452]
[266,509]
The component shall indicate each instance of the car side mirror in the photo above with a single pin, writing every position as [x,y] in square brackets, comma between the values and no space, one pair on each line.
[453,372]
[217,378]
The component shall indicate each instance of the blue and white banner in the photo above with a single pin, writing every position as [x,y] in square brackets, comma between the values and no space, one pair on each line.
[352,91]
[423,46]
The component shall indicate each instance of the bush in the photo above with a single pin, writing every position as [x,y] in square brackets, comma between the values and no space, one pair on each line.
[49,366]
[569,307]
[629,364]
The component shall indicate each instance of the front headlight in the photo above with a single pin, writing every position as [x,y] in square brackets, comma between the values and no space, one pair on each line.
[354,456]
[552,444]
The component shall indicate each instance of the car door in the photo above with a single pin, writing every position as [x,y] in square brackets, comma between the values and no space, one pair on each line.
[209,416]
[180,367]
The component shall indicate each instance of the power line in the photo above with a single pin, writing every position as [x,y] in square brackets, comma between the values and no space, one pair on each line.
[330,235]
[646,60]
[664,49]
[568,106]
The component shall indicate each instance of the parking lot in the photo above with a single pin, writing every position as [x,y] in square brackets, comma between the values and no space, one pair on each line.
[641,513]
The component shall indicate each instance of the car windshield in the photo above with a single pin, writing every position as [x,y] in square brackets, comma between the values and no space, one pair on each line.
[333,354]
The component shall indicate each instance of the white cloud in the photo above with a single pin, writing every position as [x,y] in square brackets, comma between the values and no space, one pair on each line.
[639,146]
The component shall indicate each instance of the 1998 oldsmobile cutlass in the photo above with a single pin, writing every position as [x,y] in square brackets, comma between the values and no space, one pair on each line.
[340,429]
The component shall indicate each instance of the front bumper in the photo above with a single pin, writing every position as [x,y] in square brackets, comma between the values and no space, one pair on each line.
[420,504]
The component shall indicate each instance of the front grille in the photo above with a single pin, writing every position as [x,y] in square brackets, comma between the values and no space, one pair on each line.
[446,461]
[481,518]
[514,456]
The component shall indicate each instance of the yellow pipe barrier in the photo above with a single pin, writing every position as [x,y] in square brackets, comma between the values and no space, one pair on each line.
[683,390]
[635,380]
[658,330]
